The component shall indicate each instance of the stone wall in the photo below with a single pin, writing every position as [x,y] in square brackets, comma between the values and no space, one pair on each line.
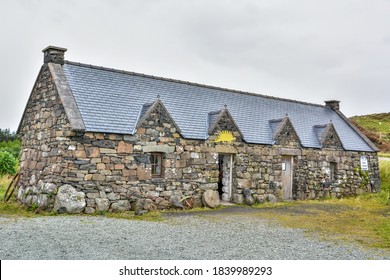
[111,172]
[313,177]
[43,130]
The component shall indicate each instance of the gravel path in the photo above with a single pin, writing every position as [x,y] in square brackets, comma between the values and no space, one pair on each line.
[177,237]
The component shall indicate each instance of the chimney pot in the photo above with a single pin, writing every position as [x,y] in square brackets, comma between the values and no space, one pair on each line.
[54,55]
[333,104]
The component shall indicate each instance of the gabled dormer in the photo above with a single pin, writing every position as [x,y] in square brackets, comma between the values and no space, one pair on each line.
[327,136]
[222,120]
[284,133]
[155,114]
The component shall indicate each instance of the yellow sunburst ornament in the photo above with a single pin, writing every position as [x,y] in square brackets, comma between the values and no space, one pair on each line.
[225,136]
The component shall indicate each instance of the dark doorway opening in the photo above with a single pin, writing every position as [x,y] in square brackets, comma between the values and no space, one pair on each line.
[220,178]
[225,166]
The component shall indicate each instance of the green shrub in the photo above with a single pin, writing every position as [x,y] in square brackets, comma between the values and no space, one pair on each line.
[13,147]
[7,163]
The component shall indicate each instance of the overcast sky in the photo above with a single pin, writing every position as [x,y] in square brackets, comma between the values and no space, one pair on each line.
[304,50]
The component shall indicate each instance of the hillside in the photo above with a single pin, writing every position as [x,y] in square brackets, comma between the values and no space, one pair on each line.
[376,127]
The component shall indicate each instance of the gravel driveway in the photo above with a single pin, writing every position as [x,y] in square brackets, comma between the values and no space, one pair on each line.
[189,236]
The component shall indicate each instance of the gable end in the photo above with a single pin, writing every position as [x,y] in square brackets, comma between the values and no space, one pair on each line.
[222,120]
[157,113]
[328,137]
[283,133]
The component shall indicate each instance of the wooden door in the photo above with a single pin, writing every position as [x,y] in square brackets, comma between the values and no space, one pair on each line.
[287,176]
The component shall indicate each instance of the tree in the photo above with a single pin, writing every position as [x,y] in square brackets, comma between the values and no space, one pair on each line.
[9,142]
[6,135]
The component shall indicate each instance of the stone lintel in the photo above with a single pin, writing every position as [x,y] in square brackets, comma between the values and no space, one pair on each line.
[225,149]
[158,149]
[289,152]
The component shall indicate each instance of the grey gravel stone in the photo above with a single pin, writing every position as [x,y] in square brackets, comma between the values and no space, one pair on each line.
[183,237]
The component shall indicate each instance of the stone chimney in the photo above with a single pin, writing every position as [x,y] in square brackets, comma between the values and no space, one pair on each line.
[54,55]
[333,104]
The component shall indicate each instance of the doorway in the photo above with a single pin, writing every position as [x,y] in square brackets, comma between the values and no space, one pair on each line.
[225,166]
[287,177]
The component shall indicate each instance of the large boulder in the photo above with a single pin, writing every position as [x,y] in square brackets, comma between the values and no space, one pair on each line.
[260,198]
[249,200]
[69,200]
[272,198]
[238,198]
[248,197]
[49,188]
[121,206]
[102,204]
[211,198]
[175,203]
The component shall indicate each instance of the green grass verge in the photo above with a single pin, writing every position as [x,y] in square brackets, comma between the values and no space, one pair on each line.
[4,182]
[365,219]
[386,155]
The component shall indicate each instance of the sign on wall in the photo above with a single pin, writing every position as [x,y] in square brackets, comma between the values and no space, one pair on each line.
[225,136]
[364,163]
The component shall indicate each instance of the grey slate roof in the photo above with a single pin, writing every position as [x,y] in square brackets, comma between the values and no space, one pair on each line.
[319,130]
[110,101]
[213,118]
[275,125]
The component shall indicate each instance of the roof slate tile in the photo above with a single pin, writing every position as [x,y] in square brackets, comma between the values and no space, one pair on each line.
[110,101]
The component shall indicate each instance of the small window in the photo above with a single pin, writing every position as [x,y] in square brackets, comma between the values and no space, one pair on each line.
[156,162]
[332,170]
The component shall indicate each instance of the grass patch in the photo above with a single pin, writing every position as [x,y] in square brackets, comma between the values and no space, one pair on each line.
[384,170]
[12,208]
[365,219]
[376,127]
[386,155]
[4,182]
[375,122]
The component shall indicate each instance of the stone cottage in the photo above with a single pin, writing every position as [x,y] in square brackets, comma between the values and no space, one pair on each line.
[114,140]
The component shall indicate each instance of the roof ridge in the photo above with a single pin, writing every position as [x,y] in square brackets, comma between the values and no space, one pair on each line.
[320,125]
[189,83]
[276,120]
[215,112]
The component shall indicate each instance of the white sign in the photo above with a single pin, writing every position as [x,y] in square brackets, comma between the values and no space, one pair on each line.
[364,163]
